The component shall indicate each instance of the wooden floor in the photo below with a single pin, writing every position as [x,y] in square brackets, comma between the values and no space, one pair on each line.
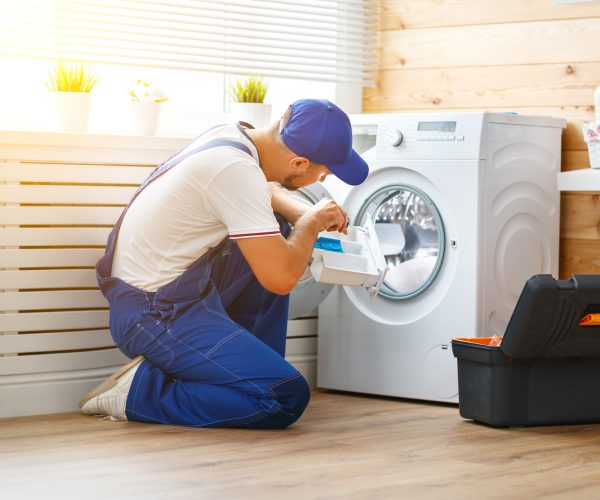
[343,447]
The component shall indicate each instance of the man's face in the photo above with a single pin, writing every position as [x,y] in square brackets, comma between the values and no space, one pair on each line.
[315,173]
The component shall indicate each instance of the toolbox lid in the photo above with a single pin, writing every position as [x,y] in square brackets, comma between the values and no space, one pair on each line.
[546,320]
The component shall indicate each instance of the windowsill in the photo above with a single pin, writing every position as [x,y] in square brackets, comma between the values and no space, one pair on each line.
[24,137]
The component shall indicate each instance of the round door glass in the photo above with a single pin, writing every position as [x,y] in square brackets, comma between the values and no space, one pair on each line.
[411,237]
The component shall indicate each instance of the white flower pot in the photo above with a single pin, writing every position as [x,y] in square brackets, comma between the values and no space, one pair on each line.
[256,114]
[143,117]
[71,110]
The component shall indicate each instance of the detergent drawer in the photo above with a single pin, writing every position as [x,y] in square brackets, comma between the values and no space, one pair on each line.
[353,259]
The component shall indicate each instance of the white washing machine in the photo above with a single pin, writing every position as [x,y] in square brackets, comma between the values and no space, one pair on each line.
[466,209]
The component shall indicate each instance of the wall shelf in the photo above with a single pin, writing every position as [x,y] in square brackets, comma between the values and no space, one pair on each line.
[585,179]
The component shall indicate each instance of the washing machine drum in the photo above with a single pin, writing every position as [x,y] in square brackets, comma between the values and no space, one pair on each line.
[411,236]
[308,294]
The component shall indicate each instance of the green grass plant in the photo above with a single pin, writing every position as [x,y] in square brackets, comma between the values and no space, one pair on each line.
[251,89]
[71,77]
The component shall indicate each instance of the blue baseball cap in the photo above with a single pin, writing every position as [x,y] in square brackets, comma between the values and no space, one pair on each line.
[320,131]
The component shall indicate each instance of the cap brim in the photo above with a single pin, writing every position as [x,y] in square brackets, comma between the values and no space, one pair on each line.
[354,171]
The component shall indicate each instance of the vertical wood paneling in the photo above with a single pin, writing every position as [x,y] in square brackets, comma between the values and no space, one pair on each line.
[535,57]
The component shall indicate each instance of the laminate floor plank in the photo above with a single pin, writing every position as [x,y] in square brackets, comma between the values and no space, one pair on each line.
[345,446]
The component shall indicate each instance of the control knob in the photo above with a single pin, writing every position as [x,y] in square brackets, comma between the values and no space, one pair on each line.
[394,137]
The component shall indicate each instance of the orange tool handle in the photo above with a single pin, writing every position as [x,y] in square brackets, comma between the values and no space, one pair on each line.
[590,320]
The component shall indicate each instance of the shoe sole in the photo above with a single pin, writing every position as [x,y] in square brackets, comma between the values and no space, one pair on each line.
[111,381]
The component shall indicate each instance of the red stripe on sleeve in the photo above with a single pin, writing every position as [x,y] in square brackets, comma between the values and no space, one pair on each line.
[253,235]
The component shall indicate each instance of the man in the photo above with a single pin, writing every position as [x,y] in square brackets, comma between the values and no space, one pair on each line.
[198,270]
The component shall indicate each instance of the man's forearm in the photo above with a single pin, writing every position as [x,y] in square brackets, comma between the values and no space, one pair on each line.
[290,207]
[301,245]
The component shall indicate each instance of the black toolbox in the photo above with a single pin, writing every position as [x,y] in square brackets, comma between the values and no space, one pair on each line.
[546,369]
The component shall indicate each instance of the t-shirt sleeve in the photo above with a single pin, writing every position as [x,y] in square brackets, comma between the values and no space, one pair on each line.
[240,197]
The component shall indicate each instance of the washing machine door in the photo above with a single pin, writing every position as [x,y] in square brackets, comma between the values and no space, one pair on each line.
[308,293]
[411,237]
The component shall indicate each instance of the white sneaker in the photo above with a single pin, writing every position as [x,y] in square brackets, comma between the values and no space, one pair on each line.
[110,396]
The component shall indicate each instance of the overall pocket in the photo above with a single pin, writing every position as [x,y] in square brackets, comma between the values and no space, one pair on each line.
[149,338]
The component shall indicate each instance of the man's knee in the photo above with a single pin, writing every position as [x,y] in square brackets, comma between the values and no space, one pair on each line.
[292,397]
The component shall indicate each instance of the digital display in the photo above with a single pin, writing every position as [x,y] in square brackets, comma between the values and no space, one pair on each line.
[437,127]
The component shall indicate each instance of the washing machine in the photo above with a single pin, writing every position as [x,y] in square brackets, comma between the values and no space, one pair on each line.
[466,209]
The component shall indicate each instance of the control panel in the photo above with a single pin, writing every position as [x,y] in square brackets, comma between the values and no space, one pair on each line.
[438,131]
[429,135]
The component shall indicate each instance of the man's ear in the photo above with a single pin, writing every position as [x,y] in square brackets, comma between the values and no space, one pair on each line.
[300,165]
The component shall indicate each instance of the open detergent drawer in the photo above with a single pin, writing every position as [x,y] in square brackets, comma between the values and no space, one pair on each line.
[546,369]
[354,259]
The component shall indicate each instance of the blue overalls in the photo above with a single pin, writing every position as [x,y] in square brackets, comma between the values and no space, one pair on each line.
[213,339]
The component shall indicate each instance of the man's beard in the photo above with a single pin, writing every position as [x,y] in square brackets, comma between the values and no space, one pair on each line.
[289,184]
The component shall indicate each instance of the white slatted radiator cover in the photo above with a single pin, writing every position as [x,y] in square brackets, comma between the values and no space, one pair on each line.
[60,195]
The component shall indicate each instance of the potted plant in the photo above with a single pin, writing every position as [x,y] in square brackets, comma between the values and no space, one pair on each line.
[144,107]
[70,85]
[248,101]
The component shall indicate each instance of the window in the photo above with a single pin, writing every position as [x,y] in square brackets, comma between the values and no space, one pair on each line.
[190,48]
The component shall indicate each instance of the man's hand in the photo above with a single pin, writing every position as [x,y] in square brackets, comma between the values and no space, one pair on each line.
[328,216]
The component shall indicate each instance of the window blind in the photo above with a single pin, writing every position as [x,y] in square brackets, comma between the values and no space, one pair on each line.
[327,40]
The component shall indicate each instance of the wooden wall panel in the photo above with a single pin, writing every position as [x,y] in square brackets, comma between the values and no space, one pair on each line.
[579,257]
[537,85]
[533,57]
[409,14]
[492,44]
[574,160]
[580,216]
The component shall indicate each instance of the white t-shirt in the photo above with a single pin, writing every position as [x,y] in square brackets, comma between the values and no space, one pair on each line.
[190,208]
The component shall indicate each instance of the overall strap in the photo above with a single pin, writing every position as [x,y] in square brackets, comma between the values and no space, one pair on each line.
[171,162]
[166,166]
[176,153]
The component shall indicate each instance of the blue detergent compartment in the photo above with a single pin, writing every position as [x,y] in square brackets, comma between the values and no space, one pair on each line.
[329,244]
